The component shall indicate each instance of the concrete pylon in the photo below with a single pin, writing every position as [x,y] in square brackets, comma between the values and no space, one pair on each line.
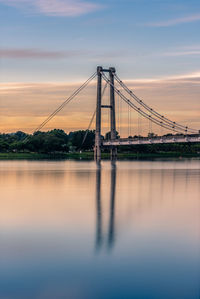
[113,151]
[98,141]
[97,149]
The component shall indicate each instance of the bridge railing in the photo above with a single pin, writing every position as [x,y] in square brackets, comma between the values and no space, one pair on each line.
[151,140]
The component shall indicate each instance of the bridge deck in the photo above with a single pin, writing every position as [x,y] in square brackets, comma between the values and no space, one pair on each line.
[154,140]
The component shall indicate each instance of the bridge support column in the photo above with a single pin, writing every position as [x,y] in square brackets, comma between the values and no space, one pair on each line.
[113,151]
[97,148]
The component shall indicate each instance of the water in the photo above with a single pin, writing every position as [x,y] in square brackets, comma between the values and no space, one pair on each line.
[77,231]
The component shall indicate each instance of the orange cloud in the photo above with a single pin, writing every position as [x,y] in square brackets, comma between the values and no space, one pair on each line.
[25,105]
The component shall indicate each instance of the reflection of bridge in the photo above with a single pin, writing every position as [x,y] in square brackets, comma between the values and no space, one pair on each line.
[152,186]
[181,133]
[99,225]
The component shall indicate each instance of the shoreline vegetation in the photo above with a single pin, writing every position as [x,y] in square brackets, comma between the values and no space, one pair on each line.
[90,156]
[58,145]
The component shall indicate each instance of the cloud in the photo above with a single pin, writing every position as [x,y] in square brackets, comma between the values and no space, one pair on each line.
[37,54]
[59,8]
[177,21]
[182,53]
[189,50]
[14,53]
[173,79]
[191,47]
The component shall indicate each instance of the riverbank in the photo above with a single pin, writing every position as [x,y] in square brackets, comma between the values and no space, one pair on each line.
[90,156]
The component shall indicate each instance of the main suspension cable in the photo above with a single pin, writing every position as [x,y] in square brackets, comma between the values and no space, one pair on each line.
[139,110]
[92,119]
[87,131]
[69,99]
[152,111]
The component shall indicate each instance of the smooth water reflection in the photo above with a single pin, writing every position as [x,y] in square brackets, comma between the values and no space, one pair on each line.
[79,230]
[111,225]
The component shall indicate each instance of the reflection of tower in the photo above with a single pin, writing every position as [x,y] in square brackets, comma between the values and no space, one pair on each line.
[98,207]
[111,229]
[111,225]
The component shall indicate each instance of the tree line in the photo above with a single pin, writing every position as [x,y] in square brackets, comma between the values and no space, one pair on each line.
[47,142]
[59,141]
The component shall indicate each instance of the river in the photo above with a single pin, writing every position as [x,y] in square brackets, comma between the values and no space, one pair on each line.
[77,230]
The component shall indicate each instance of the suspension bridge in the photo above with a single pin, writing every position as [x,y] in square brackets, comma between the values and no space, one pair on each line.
[180,133]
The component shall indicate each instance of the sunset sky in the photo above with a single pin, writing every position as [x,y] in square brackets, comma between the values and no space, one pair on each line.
[48,47]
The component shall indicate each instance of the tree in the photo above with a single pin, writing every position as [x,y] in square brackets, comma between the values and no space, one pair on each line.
[152,135]
[108,135]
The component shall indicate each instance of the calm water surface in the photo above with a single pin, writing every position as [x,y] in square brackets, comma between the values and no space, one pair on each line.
[77,231]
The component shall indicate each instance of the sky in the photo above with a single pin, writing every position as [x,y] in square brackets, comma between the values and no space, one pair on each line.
[48,47]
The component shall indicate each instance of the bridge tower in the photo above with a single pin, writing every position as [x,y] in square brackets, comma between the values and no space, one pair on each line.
[98,140]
